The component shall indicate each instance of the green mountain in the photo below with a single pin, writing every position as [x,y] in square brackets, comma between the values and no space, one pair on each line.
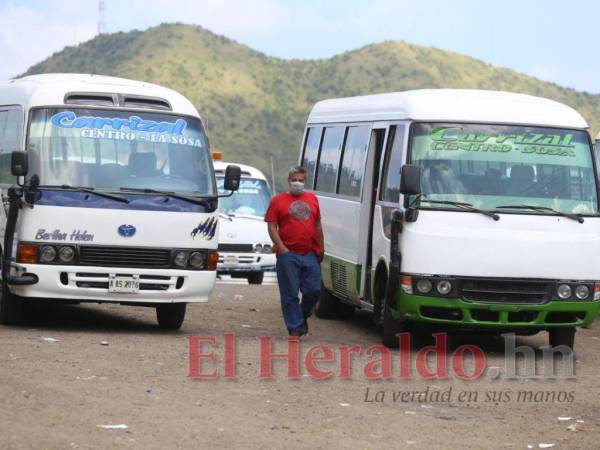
[255,105]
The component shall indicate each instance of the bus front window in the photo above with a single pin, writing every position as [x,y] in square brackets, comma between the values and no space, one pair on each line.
[252,198]
[489,166]
[114,150]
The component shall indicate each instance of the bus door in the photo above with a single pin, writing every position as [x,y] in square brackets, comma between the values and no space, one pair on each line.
[370,185]
[386,194]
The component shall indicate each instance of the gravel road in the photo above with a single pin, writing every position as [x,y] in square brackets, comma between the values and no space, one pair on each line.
[73,373]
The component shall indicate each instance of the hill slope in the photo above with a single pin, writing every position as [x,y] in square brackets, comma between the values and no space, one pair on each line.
[255,105]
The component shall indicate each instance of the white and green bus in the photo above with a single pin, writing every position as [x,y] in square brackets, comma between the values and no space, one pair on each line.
[461,208]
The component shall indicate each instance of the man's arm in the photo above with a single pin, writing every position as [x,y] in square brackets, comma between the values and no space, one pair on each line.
[320,239]
[274,234]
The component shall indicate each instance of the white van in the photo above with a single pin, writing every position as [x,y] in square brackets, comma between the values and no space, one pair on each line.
[115,201]
[245,249]
[473,209]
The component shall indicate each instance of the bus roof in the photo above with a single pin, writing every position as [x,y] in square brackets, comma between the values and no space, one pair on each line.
[51,90]
[247,171]
[449,105]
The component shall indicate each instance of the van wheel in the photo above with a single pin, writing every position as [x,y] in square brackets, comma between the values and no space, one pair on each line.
[325,307]
[343,310]
[256,277]
[170,315]
[12,308]
[391,327]
[562,336]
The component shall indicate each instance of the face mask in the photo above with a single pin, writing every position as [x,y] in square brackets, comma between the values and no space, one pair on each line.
[296,187]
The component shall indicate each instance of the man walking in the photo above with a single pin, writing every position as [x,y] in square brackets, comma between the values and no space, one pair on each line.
[294,222]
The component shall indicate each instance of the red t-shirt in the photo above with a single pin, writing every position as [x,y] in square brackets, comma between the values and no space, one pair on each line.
[296,217]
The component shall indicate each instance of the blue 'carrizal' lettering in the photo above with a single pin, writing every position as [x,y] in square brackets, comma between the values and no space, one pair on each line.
[68,119]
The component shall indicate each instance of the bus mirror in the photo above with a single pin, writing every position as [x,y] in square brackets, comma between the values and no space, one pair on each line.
[410,179]
[232,178]
[18,163]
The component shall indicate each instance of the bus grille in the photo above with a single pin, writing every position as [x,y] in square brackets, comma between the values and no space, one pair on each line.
[151,258]
[339,279]
[506,291]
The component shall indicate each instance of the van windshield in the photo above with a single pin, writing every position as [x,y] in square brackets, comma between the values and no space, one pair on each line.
[251,199]
[113,150]
[489,166]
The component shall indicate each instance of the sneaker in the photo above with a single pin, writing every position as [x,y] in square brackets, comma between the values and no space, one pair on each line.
[296,333]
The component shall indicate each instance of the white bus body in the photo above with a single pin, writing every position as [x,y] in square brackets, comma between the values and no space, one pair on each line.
[499,152]
[126,207]
[245,249]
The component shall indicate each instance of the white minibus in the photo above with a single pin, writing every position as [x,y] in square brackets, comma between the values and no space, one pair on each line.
[245,249]
[461,208]
[115,198]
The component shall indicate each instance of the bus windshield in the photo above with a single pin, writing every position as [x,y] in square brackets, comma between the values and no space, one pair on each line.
[491,166]
[113,150]
[251,199]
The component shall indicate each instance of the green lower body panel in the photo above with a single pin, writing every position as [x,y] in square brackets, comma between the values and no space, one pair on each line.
[342,278]
[455,311]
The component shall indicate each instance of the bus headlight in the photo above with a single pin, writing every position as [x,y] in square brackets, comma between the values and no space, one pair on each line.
[444,287]
[424,286]
[66,254]
[180,259]
[582,292]
[258,248]
[564,291]
[47,254]
[197,260]
[267,248]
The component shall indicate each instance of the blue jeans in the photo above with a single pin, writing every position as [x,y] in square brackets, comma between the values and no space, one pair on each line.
[298,273]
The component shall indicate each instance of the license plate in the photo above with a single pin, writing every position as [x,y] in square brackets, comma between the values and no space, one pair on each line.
[230,260]
[124,285]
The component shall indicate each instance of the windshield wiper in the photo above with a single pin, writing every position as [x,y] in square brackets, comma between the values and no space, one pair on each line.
[195,200]
[466,206]
[88,190]
[576,217]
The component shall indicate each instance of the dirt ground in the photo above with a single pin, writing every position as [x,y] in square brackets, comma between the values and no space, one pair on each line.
[59,394]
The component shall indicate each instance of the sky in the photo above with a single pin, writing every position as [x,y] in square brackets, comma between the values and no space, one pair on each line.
[552,40]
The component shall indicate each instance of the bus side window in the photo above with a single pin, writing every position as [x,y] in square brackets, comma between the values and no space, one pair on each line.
[353,162]
[329,159]
[311,154]
[390,183]
[11,122]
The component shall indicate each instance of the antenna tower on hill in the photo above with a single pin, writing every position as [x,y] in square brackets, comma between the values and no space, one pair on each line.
[101,21]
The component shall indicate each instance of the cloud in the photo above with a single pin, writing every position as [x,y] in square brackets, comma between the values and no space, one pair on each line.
[27,35]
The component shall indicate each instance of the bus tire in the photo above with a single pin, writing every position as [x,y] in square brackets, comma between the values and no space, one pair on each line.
[12,308]
[170,315]
[343,310]
[562,336]
[326,306]
[255,277]
[379,296]
[391,327]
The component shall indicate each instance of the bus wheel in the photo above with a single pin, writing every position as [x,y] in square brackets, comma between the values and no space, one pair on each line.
[343,310]
[12,308]
[255,277]
[326,306]
[562,336]
[391,327]
[170,315]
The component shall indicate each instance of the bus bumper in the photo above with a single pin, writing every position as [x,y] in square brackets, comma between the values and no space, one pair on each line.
[83,283]
[455,311]
[246,262]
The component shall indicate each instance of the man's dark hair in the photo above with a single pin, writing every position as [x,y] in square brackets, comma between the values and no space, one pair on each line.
[296,169]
